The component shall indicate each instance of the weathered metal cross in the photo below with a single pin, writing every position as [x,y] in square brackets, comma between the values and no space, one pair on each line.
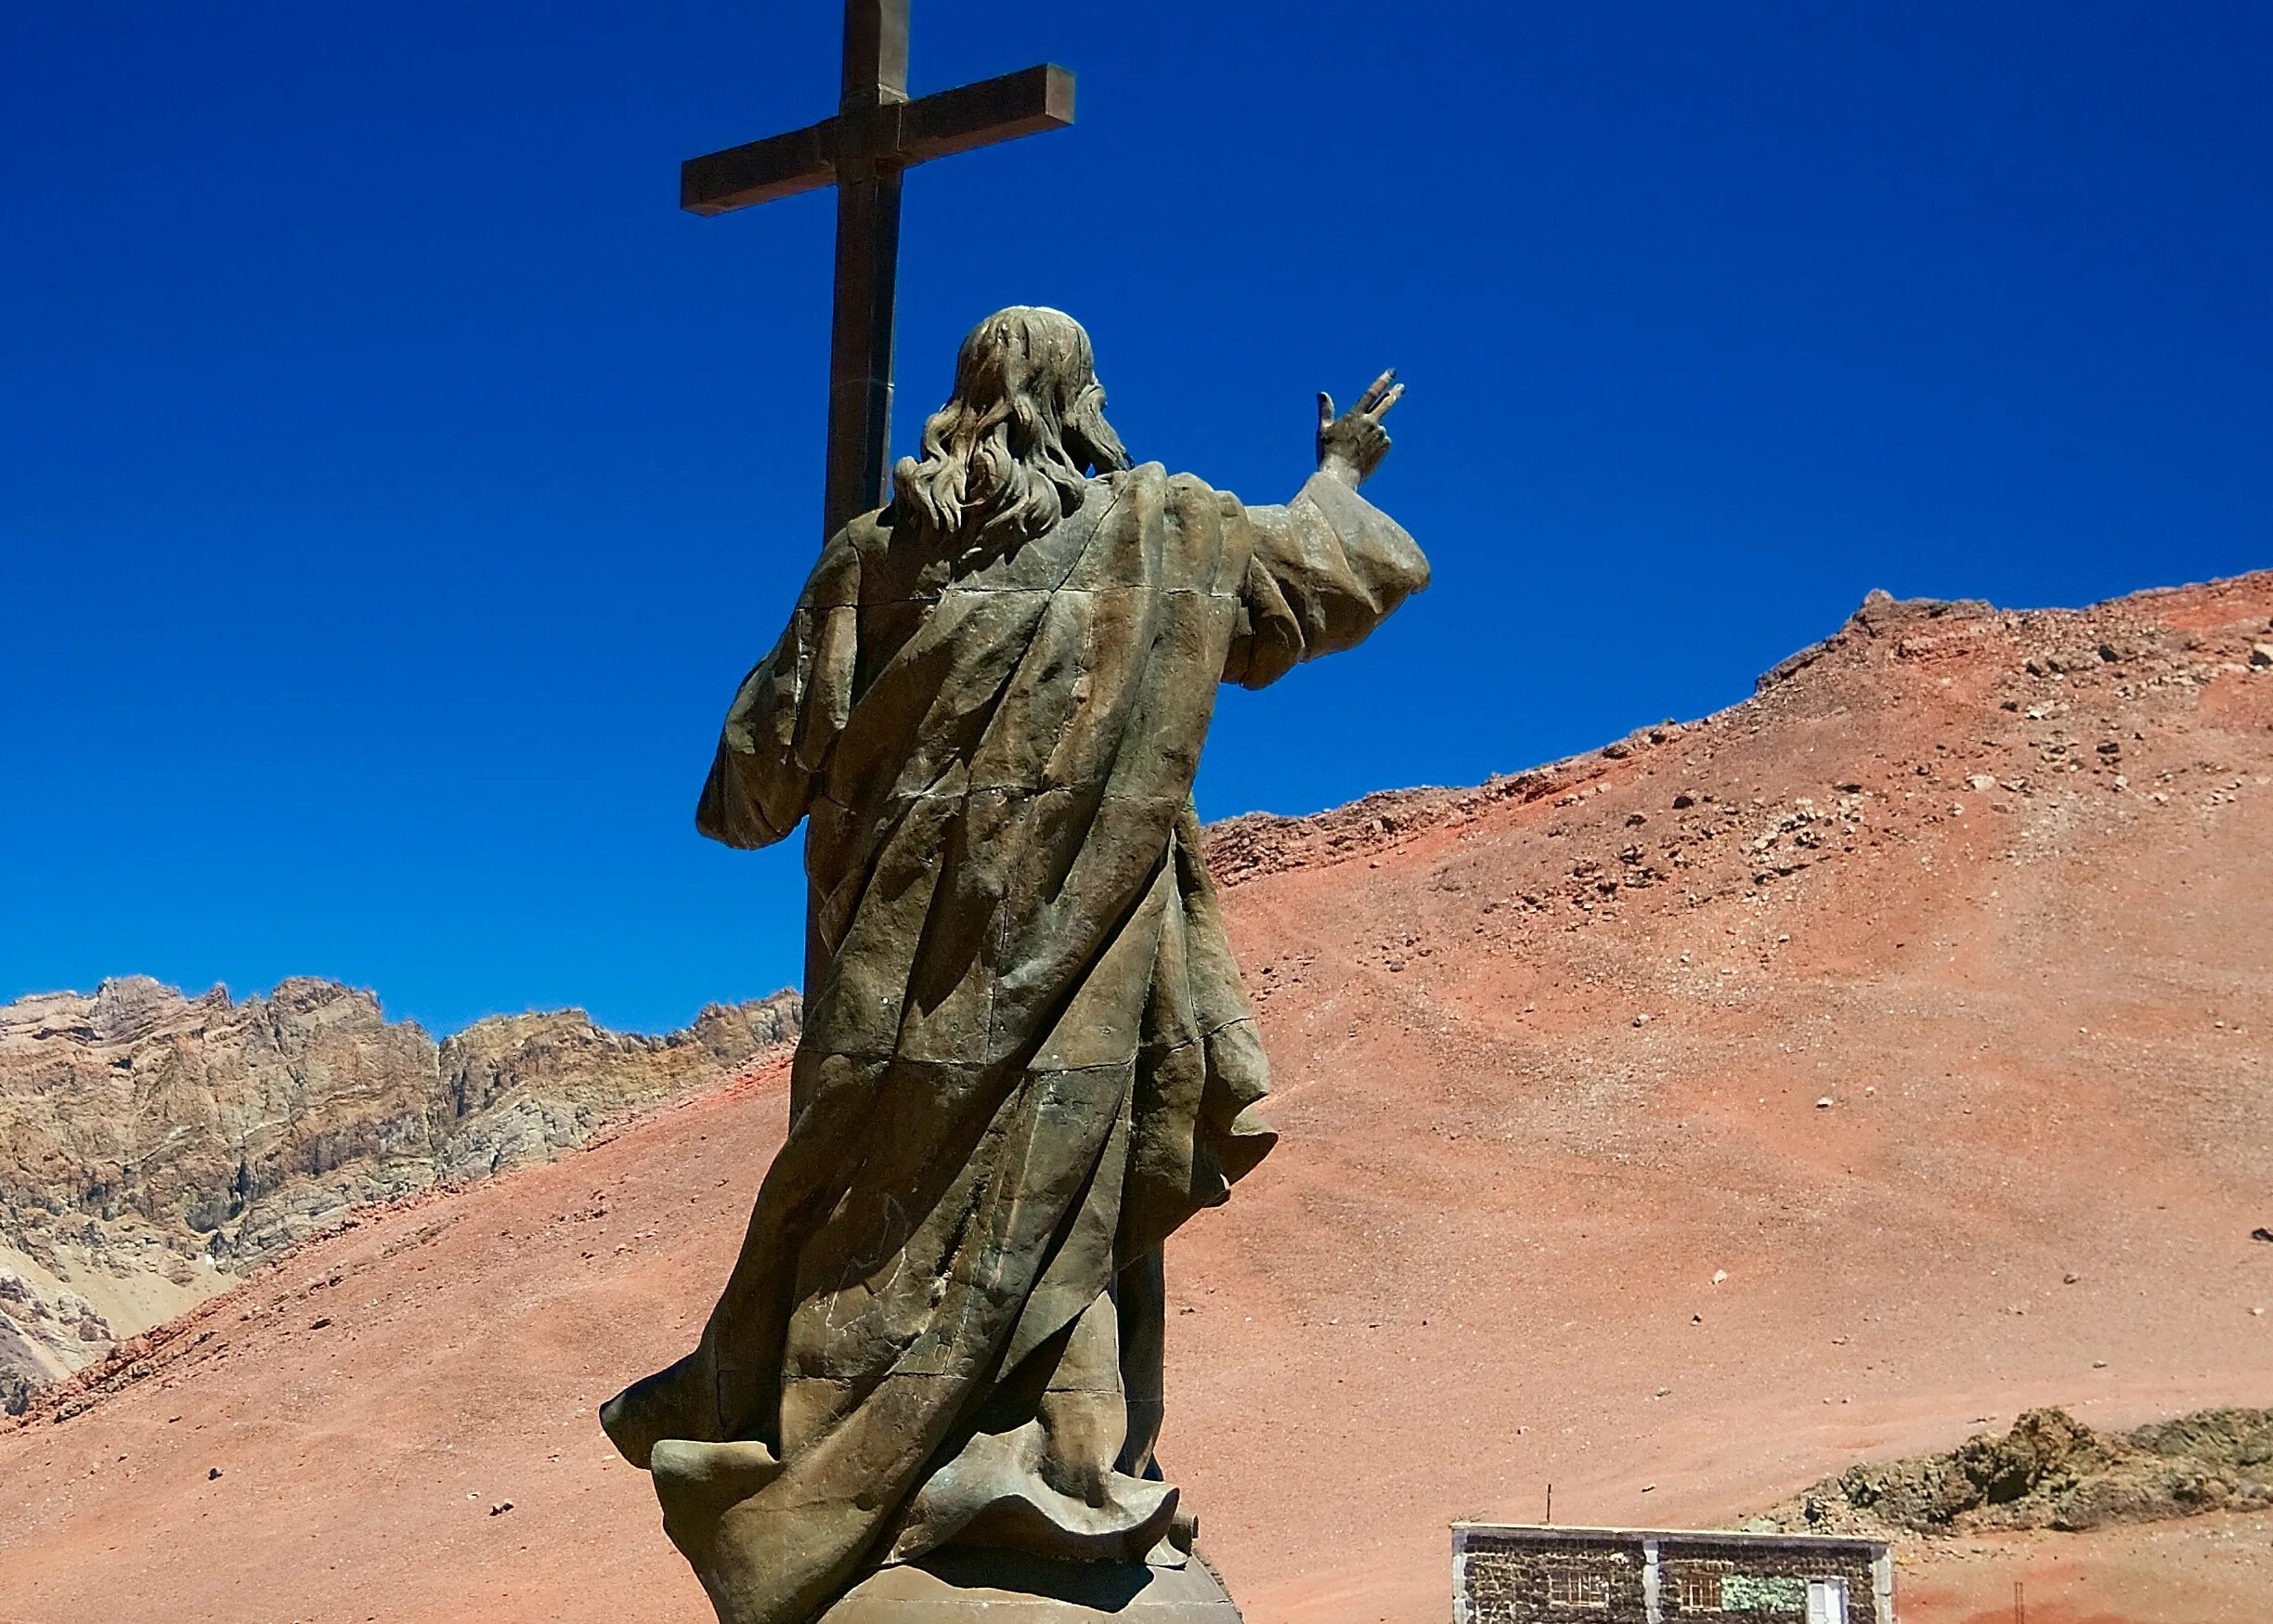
[877,133]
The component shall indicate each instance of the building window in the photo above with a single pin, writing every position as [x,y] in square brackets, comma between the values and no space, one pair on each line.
[1826,1601]
[1700,1592]
[1573,1588]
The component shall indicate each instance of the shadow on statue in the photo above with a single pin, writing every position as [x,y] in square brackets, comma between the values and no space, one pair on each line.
[1009,1587]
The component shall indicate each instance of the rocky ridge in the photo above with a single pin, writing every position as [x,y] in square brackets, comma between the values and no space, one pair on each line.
[2052,1471]
[154,1148]
[2076,680]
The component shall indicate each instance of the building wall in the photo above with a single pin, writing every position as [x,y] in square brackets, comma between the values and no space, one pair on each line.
[1506,1577]
[1507,1581]
[1773,1578]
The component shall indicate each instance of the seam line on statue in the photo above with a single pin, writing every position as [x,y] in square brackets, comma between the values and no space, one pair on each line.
[893,1373]
[1096,1066]
[825,798]
[928,601]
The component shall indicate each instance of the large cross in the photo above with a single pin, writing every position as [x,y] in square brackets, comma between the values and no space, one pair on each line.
[877,133]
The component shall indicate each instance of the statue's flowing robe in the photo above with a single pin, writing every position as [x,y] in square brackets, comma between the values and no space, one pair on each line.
[1026,1055]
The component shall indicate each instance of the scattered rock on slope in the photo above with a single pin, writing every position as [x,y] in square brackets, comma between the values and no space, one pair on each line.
[2053,1471]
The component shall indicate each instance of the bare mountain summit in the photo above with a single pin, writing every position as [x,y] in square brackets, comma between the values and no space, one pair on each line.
[1680,1124]
[154,1148]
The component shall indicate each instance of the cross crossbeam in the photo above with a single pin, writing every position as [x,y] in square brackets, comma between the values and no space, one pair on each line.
[946,123]
[875,135]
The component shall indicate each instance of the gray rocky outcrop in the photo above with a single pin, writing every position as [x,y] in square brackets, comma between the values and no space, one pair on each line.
[2053,1471]
[152,1139]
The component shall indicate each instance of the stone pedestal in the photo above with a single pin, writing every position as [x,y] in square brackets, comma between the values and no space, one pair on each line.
[991,1587]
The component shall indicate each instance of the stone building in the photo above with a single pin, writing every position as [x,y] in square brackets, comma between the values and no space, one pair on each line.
[1504,1574]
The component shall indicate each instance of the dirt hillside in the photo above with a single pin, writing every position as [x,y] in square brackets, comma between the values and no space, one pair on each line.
[1873,1062]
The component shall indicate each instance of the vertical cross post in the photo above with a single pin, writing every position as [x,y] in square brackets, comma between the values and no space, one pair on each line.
[876,66]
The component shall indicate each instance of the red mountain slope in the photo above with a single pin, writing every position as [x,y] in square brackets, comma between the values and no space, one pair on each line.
[1557,1198]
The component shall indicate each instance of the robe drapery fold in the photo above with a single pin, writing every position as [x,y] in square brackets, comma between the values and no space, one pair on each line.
[1027,1056]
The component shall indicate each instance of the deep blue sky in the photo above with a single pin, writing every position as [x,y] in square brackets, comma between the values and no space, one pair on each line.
[394,484]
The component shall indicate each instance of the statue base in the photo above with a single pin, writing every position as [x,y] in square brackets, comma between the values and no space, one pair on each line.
[1006,1586]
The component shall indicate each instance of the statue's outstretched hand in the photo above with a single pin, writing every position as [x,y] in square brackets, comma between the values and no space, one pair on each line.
[1351,445]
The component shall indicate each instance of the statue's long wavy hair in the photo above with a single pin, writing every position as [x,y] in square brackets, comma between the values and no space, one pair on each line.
[1009,455]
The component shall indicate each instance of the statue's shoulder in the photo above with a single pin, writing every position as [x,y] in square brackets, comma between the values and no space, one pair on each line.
[836,577]
[1153,476]
[1143,477]
[1186,491]
[869,534]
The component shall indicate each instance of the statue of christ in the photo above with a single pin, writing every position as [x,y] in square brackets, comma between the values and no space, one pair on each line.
[1027,1056]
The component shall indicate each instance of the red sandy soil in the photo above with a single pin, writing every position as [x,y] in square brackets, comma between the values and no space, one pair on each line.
[1515,1234]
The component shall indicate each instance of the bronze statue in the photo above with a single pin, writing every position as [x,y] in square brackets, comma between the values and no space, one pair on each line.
[1027,1057]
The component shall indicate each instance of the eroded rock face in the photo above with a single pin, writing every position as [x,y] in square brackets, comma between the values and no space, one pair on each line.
[2052,1471]
[153,1146]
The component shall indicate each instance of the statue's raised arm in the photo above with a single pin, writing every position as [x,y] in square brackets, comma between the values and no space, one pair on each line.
[1330,566]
